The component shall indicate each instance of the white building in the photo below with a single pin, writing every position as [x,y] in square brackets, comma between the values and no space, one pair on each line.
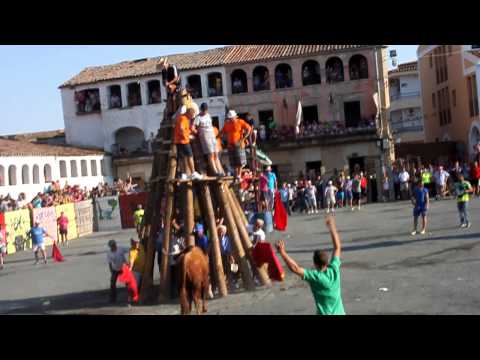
[405,114]
[29,168]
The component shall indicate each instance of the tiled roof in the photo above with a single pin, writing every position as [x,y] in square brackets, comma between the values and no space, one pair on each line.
[475,52]
[235,54]
[35,136]
[405,67]
[25,148]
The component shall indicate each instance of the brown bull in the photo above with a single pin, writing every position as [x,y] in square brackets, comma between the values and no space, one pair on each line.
[193,280]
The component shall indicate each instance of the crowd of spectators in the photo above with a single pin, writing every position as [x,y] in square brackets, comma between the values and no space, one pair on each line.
[54,195]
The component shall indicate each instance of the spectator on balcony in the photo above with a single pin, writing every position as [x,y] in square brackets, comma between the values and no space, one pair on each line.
[115,101]
[237,85]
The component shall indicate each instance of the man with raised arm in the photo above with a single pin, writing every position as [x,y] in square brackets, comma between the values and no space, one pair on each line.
[325,279]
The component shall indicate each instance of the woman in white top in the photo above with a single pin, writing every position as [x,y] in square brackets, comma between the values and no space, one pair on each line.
[204,128]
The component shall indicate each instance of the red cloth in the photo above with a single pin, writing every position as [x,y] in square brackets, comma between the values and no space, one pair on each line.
[128,279]
[280,216]
[263,253]
[56,254]
[363,182]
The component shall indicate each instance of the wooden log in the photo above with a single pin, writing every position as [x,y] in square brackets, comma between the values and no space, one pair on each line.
[189,219]
[209,217]
[245,271]
[247,244]
[237,205]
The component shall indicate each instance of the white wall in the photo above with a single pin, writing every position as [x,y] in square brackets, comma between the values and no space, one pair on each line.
[31,189]
[411,83]
[98,130]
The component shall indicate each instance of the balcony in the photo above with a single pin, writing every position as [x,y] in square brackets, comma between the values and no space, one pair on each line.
[405,100]
[407,124]
[323,133]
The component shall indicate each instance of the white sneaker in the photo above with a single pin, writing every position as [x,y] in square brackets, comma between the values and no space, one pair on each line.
[196,176]
[463,225]
[422,232]
[183,177]
[414,233]
[316,211]
[328,210]
[468,226]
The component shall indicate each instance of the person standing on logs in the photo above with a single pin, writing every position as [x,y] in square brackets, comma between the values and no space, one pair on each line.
[171,81]
[184,149]
[204,127]
[237,130]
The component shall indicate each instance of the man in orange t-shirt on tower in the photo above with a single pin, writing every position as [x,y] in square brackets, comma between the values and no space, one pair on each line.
[184,149]
[237,131]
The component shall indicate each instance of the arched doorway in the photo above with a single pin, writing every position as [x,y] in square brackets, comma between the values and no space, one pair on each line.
[358,67]
[334,69]
[239,82]
[130,139]
[283,76]
[474,140]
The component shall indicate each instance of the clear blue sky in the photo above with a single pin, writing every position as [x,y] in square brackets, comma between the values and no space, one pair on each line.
[30,76]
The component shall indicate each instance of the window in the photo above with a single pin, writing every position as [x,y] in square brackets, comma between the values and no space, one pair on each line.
[434,104]
[25,175]
[154,95]
[358,67]
[36,174]
[472,95]
[310,73]
[2,176]
[102,167]
[352,114]
[93,167]
[83,167]
[215,87]
[12,175]
[87,101]
[194,84]
[134,94]
[267,124]
[115,96]
[283,76]
[239,82]
[73,168]
[47,173]
[310,114]
[454,98]
[261,79]
[430,57]
[334,70]
[63,169]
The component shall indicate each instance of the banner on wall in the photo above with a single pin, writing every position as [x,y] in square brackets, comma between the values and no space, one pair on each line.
[48,220]
[107,213]
[69,211]
[84,217]
[2,222]
[17,225]
[128,205]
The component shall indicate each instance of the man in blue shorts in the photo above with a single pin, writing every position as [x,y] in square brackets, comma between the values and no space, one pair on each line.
[38,241]
[420,201]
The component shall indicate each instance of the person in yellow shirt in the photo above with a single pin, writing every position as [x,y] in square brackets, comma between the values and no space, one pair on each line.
[138,218]
[136,260]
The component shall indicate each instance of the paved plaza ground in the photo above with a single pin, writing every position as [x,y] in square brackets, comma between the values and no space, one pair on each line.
[436,273]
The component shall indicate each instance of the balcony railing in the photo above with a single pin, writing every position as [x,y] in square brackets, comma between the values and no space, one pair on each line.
[319,132]
[120,152]
[404,95]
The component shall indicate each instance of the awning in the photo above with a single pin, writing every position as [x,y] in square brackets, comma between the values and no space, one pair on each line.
[262,158]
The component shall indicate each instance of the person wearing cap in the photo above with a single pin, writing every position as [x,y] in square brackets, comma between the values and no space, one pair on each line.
[37,233]
[330,196]
[204,128]
[136,260]
[236,130]
[182,135]
[115,260]
[201,240]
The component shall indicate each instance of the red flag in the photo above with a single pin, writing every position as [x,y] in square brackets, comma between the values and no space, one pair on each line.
[56,254]
[280,215]
[263,253]
[128,279]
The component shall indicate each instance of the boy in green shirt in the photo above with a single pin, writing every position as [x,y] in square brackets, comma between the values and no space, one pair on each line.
[463,189]
[138,218]
[325,279]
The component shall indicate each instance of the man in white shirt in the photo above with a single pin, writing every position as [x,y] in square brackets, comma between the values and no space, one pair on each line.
[404,177]
[116,259]
[258,235]
[441,178]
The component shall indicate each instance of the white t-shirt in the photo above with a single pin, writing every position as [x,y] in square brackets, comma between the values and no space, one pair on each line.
[330,191]
[203,121]
[404,177]
[257,235]
[117,258]
[441,177]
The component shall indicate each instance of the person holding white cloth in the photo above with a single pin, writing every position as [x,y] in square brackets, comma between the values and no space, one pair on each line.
[204,127]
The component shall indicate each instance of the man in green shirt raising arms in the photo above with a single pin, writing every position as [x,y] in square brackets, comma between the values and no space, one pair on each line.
[325,279]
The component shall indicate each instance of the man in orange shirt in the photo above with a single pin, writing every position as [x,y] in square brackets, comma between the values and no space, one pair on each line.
[237,130]
[184,149]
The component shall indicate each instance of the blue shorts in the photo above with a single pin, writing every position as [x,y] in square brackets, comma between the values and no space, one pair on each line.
[349,195]
[419,211]
[341,195]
